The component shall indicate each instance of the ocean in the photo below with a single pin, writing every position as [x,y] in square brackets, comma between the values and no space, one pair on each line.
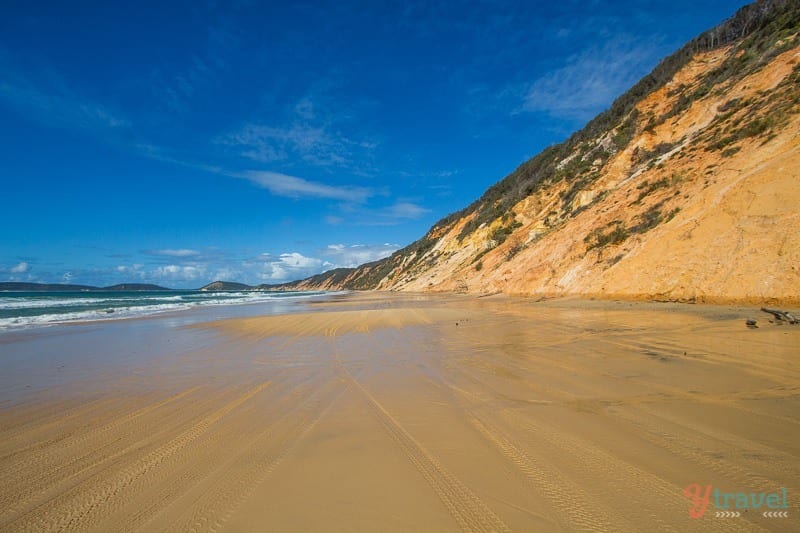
[23,310]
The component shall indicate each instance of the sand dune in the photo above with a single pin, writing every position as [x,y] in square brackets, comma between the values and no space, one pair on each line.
[428,414]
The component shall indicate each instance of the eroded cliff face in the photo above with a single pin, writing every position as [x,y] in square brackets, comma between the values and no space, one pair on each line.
[689,191]
[698,221]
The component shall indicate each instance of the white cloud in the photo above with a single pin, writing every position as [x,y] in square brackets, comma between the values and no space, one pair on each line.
[294,265]
[294,187]
[297,260]
[135,270]
[21,268]
[227,274]
[358,254]
[591,80]
[178,272]
[285,267]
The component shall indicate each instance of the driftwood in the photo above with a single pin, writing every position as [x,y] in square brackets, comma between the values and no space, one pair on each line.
[782,315]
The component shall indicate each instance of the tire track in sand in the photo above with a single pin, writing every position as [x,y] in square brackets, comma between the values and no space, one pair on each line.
[40,456]
[179,493]
[683,442]
[603,465]
[621,475]
[75,462]
[568,499]
[33,491]
[16,437]
[85,501]
[162,487]
[248,470]
[467,509]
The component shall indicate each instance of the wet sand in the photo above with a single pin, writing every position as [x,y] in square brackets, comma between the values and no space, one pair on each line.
[392,412]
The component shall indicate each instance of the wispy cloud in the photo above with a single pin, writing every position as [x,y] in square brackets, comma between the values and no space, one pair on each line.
[591,79]
[56,104]
[277,183]
[405,210]
[173,89]
[173,92]
[390,215]
[342,255]
[294,187]
[307,135]
[180,252]
[269,144]
[52,102]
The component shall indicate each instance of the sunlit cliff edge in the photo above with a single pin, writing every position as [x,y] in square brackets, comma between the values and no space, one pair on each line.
[686,189]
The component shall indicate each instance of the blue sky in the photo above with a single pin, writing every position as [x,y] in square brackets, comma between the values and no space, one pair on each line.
[182,142]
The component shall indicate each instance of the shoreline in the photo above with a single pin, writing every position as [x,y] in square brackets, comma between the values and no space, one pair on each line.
[183,310]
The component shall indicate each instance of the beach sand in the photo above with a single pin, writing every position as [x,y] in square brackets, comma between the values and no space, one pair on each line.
[388,412]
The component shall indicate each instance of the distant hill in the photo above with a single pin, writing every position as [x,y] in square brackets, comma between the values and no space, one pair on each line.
[43,287]
[685,189]
[135,287]
[60,287]
[226,286]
